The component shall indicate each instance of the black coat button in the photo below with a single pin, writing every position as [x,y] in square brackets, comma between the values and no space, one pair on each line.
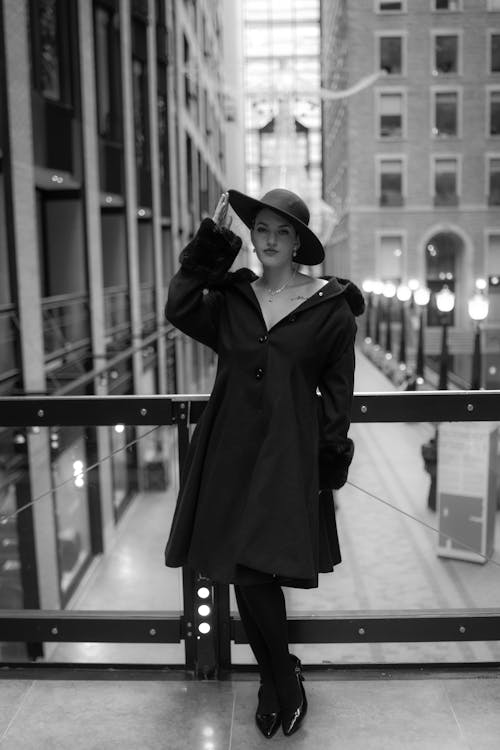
[292,318]
[262,339]
[259,373]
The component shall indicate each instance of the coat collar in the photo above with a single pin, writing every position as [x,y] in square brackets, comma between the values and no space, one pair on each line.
[333,288]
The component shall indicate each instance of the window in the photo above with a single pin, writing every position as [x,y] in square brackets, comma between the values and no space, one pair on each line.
[494,5]
[445,181]
[50,25]
[445,54]
[494,66]
[390,6]
[445,114]
[493,271]
[494,180]
[391,182]
[446,4]
[391,54]
[390,257]
[107,64]
[494,113]
[391,115]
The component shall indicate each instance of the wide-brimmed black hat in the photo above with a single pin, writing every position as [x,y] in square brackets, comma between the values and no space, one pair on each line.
[293,208]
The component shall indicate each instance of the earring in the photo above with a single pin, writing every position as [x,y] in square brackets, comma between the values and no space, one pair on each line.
[294,254]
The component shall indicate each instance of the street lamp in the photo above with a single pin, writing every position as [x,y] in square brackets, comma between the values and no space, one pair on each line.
[389,291]
[421,295]
[368,289]
[403,294]
[377,291]
[445,301]
[478,310]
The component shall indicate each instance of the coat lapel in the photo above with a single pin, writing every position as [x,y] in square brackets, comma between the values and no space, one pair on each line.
[332,289]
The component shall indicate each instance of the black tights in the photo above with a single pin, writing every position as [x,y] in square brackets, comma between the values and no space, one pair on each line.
[263,614]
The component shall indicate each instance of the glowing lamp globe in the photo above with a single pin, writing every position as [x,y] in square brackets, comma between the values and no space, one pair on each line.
[445,300]
[478,307]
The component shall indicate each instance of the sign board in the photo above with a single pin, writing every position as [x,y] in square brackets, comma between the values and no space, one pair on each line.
[466,489]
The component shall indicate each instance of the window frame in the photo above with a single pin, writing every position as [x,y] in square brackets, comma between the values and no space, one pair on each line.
[379,92]
[403,35]
[488,232]
[492,88]
[379,159]
[447,10]
[66,51]
[435,73]
[401,233]
[376,7]
[432,175]
[490,9]
[443,89]
[488,158]
[489,58]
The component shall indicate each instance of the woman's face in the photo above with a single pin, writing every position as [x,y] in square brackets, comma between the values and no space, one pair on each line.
[274,238]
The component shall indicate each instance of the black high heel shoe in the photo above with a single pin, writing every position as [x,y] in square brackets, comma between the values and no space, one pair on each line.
[291,721]
[268,723]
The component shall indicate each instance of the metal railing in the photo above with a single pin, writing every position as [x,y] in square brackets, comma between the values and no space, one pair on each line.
[209,654]
[66,323]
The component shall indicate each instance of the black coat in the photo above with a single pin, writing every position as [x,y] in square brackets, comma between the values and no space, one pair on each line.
[250,504]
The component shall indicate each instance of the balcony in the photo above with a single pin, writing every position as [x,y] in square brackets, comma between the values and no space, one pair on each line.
[117,311]
[397,627]
[66,324]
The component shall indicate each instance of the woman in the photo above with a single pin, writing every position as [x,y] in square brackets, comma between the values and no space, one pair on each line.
[255,506]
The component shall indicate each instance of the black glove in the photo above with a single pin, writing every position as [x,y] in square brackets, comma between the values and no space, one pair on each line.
[334,462]
[211,252]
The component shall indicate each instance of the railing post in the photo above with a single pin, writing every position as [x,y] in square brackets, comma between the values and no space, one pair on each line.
[205,604]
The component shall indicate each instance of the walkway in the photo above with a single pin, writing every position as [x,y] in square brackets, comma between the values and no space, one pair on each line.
[381,713]
[389,561]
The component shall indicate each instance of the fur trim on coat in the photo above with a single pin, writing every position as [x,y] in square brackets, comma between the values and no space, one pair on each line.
[211,252]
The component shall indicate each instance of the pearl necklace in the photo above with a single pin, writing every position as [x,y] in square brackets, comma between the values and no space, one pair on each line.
[274,292]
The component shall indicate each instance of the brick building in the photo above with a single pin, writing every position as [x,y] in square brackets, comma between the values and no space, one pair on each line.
[411,164]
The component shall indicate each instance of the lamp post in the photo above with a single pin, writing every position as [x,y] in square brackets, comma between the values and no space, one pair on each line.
[403,294]
[368,290]
[377,291]
[445,301]
[421,296]
[478,311]
[389,292]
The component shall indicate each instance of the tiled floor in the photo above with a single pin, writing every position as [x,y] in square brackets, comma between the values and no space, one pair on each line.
[345,714]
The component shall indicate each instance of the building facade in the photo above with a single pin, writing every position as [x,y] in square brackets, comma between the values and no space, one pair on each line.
[412,162]
[114,130]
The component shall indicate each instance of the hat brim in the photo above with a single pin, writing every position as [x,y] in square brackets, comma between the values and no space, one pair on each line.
[310,252]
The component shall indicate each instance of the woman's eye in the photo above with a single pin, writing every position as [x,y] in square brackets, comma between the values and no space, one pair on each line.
[261,230]
[283,231]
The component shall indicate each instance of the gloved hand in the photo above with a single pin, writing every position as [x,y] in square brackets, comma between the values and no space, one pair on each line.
[211,252]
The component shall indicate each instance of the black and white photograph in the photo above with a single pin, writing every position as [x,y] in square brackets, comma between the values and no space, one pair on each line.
[249,374]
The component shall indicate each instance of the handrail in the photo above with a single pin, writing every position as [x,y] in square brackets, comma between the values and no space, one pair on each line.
[419,406]
[202,656]
[58,300]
